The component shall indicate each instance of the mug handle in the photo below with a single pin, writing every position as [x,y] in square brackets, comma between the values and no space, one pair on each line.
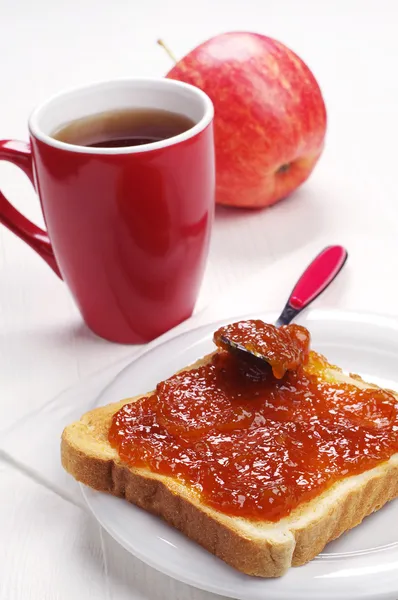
[20,155]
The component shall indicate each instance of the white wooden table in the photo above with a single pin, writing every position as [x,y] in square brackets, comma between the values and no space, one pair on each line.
[50,549]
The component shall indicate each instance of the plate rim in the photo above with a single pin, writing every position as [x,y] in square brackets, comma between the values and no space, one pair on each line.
[370,316]
[367,317]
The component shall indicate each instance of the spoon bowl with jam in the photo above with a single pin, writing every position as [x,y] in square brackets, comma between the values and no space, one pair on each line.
[283,346]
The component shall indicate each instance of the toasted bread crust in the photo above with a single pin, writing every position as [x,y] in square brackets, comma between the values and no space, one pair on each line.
[87,455]
[98,466]
[353,507]
[153,495]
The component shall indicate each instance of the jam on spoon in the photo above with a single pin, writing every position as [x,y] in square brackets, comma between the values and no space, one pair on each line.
[283,348]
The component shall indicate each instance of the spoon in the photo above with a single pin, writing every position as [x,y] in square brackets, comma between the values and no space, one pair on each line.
[316,278]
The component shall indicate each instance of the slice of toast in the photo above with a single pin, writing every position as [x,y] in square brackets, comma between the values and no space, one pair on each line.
[265,549]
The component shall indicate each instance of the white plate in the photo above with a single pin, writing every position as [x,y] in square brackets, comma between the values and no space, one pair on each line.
[361,564]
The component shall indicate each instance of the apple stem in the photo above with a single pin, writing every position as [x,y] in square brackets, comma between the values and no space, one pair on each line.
[167,50]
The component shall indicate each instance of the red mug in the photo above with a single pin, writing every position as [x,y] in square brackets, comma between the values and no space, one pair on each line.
[128,228]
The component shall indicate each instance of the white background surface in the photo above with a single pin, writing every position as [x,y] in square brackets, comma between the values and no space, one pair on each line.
[48,548]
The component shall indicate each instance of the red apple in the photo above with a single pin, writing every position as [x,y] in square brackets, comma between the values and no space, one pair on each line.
[270,117]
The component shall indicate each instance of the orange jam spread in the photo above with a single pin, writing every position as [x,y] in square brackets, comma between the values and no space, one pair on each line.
[284,348]
[257,447]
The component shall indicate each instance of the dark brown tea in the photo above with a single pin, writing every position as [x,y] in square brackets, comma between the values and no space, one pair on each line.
[121,128]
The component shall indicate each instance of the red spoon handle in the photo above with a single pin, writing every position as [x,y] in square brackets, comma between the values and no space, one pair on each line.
[315,279]
[318,276]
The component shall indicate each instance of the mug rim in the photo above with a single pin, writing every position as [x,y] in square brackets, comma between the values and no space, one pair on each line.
[206,119]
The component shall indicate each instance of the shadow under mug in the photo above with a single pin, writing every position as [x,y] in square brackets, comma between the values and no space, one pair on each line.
[128,228]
